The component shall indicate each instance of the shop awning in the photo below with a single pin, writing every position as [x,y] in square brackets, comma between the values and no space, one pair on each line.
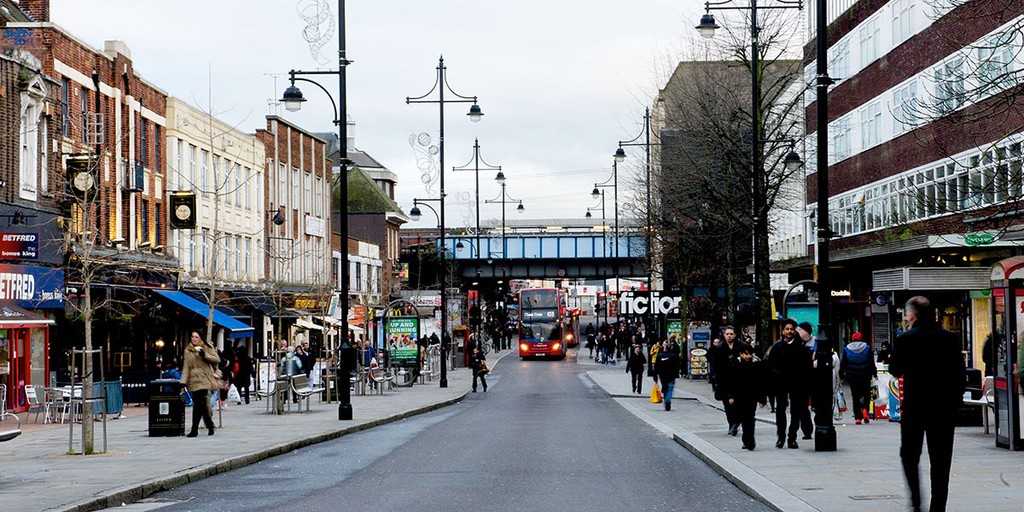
[12,316]
[235,328]
[302,322]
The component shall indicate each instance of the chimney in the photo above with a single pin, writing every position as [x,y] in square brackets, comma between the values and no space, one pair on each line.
[39,10]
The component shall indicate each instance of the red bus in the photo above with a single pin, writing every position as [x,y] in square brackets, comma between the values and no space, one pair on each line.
[543,324]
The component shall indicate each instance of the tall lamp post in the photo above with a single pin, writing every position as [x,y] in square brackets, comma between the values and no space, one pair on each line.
[504,198]
[441,85]
[612,182]
[825,434]
[476,169]
[292,99]
[415,215]
[620,156]
[604,241]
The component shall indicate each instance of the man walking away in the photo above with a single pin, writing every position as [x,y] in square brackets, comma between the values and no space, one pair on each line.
[928,359]
[858,367]
[667,367]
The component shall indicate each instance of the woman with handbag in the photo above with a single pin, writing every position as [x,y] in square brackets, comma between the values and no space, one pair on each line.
[480,369]
[201,376]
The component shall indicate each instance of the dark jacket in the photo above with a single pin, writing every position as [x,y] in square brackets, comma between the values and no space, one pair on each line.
[857,364]
[667,366]
[241,369]
[747,382]
[720,366]
[636,362]
[790,365]
[929,360]
[477,362]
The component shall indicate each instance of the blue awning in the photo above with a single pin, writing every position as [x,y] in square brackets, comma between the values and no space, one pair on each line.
[235,328]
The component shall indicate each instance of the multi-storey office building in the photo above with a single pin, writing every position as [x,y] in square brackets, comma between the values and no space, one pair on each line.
[925,159]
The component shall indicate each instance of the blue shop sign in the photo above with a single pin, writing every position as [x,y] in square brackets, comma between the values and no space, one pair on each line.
[32,287]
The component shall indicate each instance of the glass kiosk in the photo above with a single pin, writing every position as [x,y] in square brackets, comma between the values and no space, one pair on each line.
[1008,325]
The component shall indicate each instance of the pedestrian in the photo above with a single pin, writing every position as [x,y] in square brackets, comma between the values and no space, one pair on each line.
[746,390]
[667,367]
[857,368]
[928,359]
[591,333]
[302,353]
[724,354]
[608,349]
[199,374]
[789,366]
[884,352]
[291,364]
[635,367]
[480,369]
[241,368]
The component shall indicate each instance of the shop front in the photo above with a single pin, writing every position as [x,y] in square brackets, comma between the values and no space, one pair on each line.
[1006,357]
[24,353]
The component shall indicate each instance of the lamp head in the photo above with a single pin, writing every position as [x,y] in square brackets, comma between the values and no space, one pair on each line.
[415,213]
[589,215]
[292,98]
[620,155]
[475,113]
[792,161]
[459,245]
[520,208]
[500,178]
[707,26]
[596,193]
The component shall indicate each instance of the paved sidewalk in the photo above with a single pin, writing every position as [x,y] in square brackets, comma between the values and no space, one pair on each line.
[36,474]
[864,473]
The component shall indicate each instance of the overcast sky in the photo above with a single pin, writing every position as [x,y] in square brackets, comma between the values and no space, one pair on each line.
[559,81]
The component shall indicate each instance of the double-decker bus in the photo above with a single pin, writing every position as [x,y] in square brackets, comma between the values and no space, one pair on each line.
[543,326]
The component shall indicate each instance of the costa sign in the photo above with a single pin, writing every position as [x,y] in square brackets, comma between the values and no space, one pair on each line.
[648,303]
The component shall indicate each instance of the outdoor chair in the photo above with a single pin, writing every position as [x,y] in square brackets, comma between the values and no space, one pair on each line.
[987,401]
[34,404]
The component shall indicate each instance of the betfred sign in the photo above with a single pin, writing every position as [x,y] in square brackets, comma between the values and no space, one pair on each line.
[643,303]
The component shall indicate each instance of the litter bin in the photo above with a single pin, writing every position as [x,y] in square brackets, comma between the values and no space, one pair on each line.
[166,408]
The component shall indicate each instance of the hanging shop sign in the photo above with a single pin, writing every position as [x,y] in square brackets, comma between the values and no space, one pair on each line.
[32,287]
[20,246]
[643,303]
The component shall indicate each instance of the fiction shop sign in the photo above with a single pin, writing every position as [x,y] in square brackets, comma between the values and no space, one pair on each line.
[643,303]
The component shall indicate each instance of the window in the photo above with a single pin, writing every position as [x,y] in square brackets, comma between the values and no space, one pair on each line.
[32,100]
[307,189]
[156,147]
[236,171]
[85,114]
[902,21]
[144,235]
[144,143]
[870,125]
[216,175]
[995,63]
[238,257]
[282,184]
[870,44]
[839,61]
[203,250]
[248,257]
[295,191]
[318,201]
[158,221]
[949,85]
[191,177]
[841,139]
[904,108]
[245,188]
[65,107]
[204,157]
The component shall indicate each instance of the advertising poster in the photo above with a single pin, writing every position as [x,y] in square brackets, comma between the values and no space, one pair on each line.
[401,335]
[675,327]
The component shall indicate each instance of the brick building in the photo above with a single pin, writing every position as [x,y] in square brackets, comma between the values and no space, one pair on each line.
[925,158]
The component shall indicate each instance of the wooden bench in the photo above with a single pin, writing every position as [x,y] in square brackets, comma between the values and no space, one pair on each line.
[303,389]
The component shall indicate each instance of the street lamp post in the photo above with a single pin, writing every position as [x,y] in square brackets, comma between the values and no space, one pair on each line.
[825,434]
[292,99]
[415,215]
[620,156]
[441,85]
[504,198]
[615,197]
[476,169]
[604,228]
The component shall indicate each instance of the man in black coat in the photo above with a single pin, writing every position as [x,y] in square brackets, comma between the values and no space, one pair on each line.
[789,362]
[724,354]
[928,359]
[667,367]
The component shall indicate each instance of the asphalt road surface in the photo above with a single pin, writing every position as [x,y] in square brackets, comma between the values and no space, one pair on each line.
[543,438]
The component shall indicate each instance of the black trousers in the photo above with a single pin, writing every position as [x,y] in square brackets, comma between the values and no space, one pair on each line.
[482,377]
[799,414]
[743,412]
[638,381]
[940,453]
[860,394]
[201,408]
[731,414]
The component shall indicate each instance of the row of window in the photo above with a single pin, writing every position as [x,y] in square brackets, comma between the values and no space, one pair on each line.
[984,179]
[986,68]
[234,261]
[232,182]
[302,191]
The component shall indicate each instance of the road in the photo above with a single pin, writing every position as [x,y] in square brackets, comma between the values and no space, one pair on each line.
[543,437]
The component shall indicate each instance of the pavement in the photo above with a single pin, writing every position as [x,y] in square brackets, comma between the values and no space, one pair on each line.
[37,474]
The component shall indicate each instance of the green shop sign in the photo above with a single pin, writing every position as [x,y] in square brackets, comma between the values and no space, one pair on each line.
[976,239]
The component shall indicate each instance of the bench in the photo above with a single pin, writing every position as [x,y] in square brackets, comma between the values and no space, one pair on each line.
[303,389]
[9,434]
[381,378]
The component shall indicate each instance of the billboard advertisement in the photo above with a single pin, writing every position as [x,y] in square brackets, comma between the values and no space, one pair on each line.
[402,333]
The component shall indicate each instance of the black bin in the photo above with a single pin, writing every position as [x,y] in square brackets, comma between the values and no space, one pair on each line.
[166,408]
[973,383]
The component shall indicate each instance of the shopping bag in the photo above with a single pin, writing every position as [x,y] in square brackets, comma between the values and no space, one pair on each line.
[233,395]
[655,394]
[841,398]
